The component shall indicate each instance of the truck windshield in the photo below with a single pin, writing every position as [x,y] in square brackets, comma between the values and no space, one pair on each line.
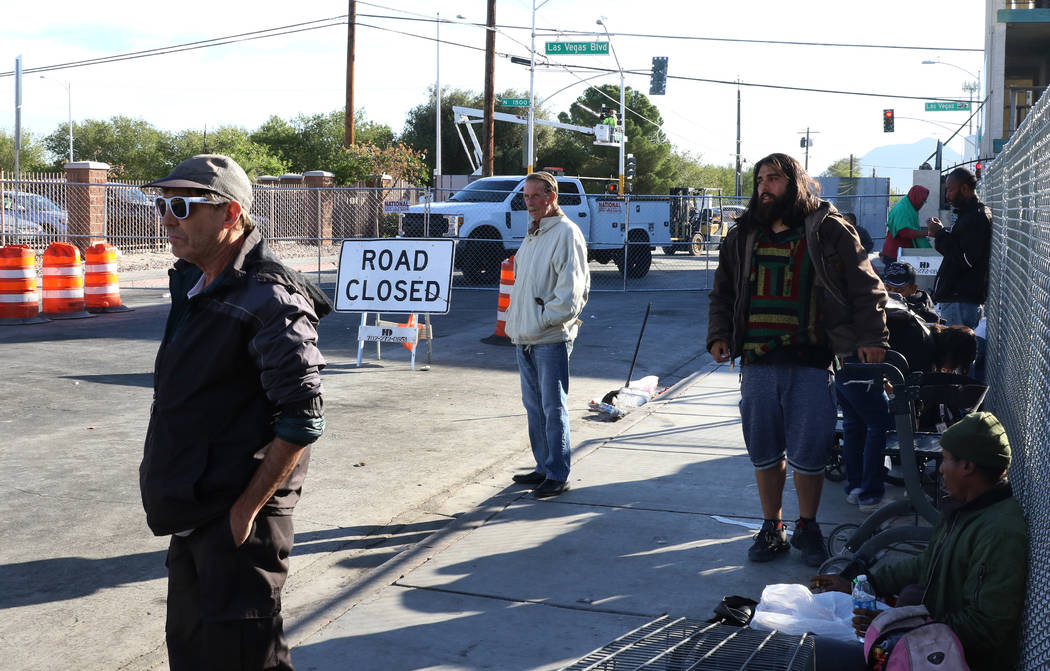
[486,191]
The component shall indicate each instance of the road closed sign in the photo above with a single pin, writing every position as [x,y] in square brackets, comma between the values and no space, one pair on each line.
[395,275]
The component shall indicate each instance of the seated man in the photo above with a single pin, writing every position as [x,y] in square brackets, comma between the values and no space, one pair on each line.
[975,566]
[900,278]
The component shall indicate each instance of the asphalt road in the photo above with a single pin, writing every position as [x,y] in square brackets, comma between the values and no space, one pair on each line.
[82,581]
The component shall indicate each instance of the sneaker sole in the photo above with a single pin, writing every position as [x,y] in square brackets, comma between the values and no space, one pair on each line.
[779,552]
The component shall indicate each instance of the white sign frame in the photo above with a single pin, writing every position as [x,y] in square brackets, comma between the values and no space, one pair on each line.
[395,275]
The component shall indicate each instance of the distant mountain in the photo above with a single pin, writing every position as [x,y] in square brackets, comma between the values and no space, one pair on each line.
[897,161]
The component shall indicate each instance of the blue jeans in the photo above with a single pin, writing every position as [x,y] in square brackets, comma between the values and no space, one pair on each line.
[544,373]
[865,420]
[966,314]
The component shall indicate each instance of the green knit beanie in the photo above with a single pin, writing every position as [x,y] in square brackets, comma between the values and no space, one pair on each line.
[980,438]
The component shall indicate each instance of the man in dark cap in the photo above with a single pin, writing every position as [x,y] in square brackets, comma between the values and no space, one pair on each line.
[900,278]
[236,404]
[972,574]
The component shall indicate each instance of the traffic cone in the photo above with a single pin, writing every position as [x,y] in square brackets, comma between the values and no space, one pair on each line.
[63,282]
[19,299]
[101,282]
[506,281]
[411,323]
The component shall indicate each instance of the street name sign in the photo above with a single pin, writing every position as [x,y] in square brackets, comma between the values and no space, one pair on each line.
[577,48]
[948,107]
[514,102]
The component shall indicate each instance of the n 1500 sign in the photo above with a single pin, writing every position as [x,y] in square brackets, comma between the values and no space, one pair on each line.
[401,275]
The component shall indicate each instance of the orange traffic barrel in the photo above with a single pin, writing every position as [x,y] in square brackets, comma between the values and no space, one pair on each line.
[506,281]
[101,282]
[19,299]
[63,282]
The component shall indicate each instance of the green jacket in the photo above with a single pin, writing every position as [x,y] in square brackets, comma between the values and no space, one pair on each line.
[974,570]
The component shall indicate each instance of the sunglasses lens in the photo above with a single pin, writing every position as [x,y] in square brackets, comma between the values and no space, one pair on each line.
[160,205]
[180,208]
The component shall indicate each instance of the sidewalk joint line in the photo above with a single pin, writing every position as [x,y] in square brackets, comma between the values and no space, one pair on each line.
[605,611]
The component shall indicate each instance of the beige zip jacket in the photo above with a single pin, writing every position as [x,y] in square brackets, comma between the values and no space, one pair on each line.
[551,284]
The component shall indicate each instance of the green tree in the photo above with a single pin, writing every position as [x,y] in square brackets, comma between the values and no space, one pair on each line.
[234,142]
[32,158]
[645,139]
[315,142]
[841,168]
[509,139]
[133,148]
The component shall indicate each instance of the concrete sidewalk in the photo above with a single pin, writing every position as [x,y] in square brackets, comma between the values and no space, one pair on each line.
[658,520]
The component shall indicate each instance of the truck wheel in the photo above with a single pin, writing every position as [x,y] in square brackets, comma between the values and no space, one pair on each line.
[480,257]
[639,256]
[697,246]
[670,249]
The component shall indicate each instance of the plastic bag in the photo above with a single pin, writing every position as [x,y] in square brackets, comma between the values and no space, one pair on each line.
[793,609]
[638,393]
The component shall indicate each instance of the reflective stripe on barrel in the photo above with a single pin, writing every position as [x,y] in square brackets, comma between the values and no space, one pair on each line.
[18,293]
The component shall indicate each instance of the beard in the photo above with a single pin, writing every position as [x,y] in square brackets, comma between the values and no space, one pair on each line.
[766,212]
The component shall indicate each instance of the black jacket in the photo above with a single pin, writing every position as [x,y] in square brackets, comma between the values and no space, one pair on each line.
[963,276]
[235,359]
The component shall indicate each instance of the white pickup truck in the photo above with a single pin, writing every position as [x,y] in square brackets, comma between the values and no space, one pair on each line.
[489,220]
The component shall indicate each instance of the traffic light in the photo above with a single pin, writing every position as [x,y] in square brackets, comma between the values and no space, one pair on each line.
[977,170]
[887,121]
[629,171]
[613,187]
[658,77]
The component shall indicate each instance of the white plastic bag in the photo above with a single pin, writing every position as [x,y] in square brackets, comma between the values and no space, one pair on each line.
[793,609]
[638,393]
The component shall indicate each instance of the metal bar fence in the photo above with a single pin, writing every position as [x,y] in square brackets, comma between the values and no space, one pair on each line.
[1016,186]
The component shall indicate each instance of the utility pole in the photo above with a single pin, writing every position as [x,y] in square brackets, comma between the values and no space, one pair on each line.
[738,177]
[806,143]
[851,166]
[488,144]
[348,123]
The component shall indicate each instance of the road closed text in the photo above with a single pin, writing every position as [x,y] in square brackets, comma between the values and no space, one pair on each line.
[395,275]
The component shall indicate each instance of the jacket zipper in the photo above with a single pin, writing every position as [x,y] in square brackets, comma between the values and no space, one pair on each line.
[982,571]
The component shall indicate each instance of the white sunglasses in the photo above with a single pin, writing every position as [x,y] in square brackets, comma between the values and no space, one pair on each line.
[179,205]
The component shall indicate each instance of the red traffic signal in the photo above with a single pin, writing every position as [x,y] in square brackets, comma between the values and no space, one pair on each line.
[613,187]
[977,170]
[887,121]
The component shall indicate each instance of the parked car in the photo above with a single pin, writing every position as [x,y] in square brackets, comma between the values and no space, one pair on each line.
[131,214]
[17,228]
[43,211]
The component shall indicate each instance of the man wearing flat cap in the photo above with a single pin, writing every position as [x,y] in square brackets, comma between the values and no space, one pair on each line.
[972,574]
[236,404]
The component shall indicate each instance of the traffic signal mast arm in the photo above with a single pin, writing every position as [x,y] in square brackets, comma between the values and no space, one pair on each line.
[467,116]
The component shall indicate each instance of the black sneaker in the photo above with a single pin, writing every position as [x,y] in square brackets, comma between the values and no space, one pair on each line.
[808,539]
[769,542]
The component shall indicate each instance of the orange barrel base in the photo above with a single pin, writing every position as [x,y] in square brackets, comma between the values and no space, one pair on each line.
[63,283]
[19,299]
[101,283]
[506,281]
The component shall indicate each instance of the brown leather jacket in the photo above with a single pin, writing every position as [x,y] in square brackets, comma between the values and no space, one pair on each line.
[853,296]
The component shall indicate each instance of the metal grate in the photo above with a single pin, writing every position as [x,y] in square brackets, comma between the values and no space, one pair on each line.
[681,644]
[1016,188]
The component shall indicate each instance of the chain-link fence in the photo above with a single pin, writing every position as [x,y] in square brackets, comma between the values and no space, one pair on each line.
[635,243]
[1017,189]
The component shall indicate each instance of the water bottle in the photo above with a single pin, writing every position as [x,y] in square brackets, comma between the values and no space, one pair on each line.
[863,595]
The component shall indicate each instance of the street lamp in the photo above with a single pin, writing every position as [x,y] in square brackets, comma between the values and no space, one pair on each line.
[437,95]
[69,106]
[969,87]
[623,118]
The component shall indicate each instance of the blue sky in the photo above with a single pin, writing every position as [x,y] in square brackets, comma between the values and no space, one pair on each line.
[243,84]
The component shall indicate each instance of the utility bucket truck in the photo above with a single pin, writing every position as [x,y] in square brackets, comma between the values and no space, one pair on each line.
[489,220]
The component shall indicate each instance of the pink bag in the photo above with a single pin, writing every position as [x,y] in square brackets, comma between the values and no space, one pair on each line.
[905,639]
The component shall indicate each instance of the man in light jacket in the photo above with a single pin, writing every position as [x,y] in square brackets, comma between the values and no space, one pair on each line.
[551,284]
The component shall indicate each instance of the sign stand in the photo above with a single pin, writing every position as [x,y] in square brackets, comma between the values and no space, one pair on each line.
[408,334]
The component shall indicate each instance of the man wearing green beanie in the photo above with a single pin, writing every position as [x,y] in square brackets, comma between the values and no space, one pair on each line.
[972,574]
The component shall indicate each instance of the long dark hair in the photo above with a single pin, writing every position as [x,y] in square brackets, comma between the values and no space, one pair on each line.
[802,190]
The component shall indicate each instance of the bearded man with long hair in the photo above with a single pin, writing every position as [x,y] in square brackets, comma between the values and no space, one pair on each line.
[793,290]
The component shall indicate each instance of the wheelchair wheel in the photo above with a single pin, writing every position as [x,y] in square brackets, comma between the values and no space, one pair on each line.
[839,536]
[844,565]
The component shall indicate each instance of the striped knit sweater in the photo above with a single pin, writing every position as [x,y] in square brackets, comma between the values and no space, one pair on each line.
[784,306]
